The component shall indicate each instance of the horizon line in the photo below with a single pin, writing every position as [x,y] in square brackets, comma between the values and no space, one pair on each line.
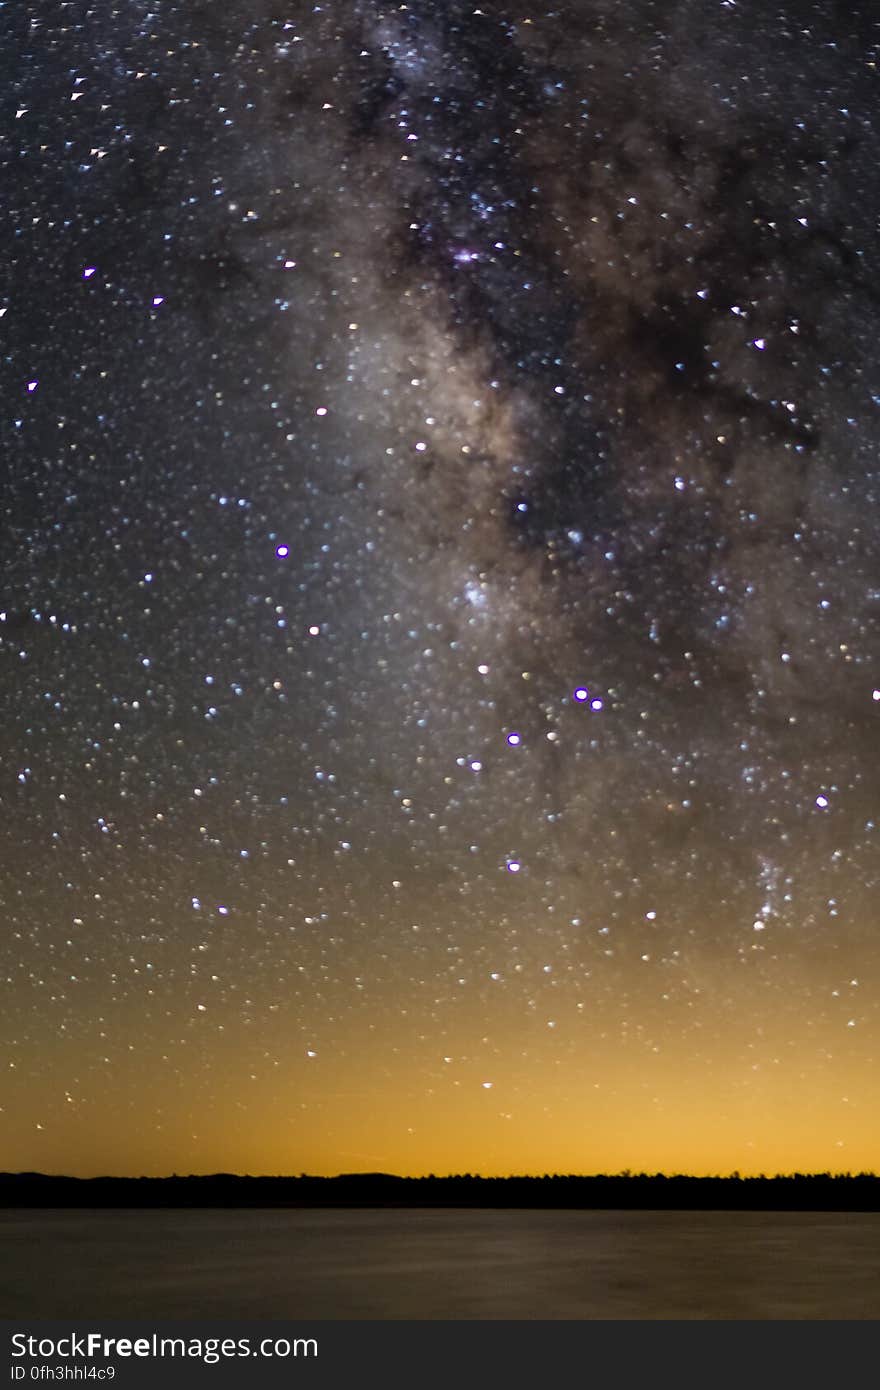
[626,1174]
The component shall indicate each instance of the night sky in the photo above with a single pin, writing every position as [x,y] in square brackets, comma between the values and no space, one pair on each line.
[440,579]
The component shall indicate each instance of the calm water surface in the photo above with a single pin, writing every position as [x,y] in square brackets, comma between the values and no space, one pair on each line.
[439,1264]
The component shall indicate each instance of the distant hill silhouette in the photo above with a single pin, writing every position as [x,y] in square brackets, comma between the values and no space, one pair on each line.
[644,1191]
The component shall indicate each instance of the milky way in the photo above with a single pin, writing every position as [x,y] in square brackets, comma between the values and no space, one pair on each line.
[440,585]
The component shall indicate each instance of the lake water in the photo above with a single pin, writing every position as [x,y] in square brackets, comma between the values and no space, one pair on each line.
[426,1264]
